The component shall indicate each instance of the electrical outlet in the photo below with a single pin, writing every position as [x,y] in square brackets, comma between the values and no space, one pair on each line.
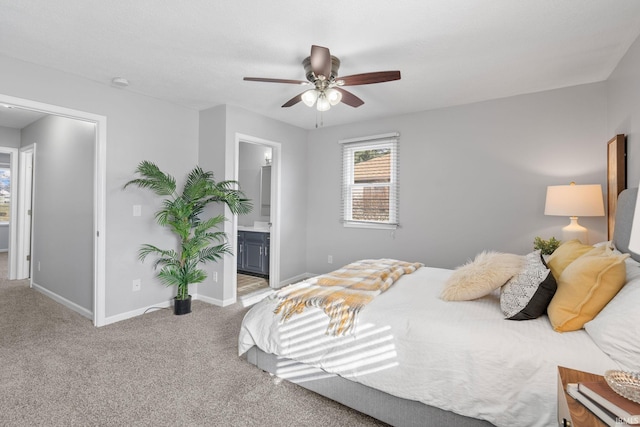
[136,285]
[215,276]
[330,259]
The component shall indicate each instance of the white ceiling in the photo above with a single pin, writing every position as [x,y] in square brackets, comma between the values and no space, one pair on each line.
[450,52]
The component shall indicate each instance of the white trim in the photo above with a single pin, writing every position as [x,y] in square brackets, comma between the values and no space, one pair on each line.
[231,227]
[25,201]
[137,312]
[376,225]
[213,301]
[370,138]
[99,211]
[296,279]
[62,300]
[162,305]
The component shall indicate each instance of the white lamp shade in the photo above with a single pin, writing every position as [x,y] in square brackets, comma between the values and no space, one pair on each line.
[334,96]
[574,200]
[634,239]
[323,103]
[309,97]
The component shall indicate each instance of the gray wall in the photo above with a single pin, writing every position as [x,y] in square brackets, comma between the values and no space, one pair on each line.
[471,178]
[62,251]
[9,137]
[138,128]
[221,124]
[623,89]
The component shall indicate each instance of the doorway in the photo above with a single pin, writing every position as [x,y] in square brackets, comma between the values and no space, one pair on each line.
[97,223]
[254,177]
[262,181]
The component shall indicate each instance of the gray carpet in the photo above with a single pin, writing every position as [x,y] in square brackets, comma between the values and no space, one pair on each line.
[158,369]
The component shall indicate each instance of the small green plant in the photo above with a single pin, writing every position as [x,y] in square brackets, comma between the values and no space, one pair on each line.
[546,246]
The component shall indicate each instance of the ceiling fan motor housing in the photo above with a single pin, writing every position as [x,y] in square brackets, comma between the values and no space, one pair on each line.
[335,65]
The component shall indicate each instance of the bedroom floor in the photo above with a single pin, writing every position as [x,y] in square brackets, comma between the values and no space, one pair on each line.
[248,284]
[252,289]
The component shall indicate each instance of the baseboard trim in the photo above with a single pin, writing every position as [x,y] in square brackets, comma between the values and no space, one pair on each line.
[161,305]
[137,312]
[296,279]
[213,301]
[62,300]
[209,300]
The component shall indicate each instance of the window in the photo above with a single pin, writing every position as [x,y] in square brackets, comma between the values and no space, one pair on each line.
[370,181]
[5,194]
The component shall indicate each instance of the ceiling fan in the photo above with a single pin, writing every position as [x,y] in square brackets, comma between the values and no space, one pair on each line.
[321,70]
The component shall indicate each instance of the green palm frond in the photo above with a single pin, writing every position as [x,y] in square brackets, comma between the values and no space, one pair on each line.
[213,253]
[153,178]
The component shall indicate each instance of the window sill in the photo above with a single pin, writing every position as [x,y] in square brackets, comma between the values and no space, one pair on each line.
[372,225]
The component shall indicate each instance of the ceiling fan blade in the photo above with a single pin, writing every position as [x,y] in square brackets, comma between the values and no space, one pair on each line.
[293,101]
[349,98]
[321,61]
[369,78]
[268,80]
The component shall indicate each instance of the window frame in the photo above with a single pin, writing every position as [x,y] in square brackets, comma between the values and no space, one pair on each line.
[349,147]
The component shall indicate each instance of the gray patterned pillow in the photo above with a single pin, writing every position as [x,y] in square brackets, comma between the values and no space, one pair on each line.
[527,294]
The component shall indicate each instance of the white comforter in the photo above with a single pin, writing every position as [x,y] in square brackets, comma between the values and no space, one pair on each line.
[459,356]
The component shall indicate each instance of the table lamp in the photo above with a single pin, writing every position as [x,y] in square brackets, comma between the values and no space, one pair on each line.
[574,201]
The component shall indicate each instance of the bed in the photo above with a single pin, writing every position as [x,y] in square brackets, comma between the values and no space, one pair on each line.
[414,359]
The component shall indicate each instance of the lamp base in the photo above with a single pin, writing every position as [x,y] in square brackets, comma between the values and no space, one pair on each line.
[575,231]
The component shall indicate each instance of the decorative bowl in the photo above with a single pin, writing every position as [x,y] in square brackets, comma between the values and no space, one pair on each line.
[626,384]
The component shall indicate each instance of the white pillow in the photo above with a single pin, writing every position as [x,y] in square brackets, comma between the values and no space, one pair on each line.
[616,329]
[486,273]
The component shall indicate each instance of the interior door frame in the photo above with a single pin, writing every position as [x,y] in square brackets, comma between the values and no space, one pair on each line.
[25,204]
[231,227]
[99,195]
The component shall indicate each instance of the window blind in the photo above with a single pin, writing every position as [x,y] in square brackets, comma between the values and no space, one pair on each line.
[370,181]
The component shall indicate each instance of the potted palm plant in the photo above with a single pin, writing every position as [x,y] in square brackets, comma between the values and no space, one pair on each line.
[199,242]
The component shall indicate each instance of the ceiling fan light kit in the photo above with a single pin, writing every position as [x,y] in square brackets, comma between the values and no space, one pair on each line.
[321,70]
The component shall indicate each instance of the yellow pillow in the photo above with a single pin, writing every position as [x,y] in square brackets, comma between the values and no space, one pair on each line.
[565,254]
[585,287]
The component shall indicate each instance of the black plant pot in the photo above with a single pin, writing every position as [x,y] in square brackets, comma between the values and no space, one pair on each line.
[182,306]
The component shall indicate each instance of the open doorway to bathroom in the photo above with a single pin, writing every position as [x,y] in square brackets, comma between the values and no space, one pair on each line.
[254,229]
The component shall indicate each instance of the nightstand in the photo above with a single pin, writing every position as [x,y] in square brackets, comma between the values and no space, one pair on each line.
[572,413]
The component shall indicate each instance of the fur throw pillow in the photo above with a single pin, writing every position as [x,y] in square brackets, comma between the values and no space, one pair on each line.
[487,272]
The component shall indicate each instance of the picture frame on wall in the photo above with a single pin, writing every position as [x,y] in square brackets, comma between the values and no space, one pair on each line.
[616,177]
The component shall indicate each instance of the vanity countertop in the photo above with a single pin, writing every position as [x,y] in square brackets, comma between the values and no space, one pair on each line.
[253,228]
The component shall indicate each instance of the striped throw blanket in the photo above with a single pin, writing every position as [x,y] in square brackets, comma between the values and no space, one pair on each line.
[343,292]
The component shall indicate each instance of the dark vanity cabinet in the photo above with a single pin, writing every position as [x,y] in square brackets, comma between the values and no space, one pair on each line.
[253,253]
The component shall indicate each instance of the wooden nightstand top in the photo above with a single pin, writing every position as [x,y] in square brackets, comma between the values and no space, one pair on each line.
[577,413]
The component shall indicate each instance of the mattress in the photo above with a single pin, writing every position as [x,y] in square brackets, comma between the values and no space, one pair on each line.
[462,356]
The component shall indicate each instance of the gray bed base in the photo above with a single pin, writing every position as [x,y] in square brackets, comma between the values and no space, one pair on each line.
[375,403]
